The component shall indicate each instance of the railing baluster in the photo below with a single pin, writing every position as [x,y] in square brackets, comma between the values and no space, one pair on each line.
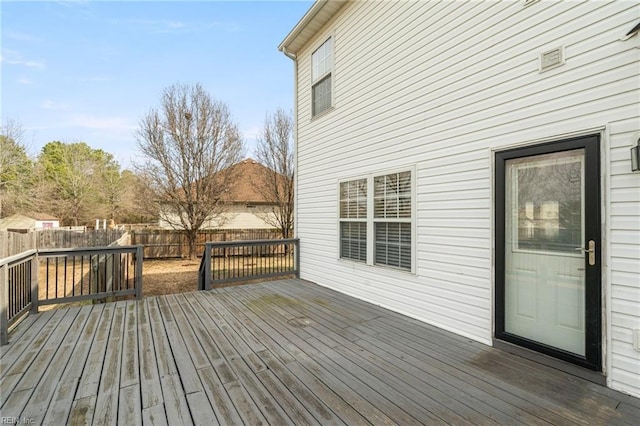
[138,272]
[34,284]
[5,303]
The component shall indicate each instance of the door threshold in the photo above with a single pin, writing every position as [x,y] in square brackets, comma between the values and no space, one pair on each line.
[575,370]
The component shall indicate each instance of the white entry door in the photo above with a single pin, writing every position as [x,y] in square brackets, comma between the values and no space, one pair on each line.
[544,263]
[549,279]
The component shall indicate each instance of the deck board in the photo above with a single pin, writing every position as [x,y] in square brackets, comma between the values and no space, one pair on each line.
[337,343]
[283,352]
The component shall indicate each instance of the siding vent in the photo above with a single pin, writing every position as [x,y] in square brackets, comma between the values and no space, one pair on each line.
[552,58]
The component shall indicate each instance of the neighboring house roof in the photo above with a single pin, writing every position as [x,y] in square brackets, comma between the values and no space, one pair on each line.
[243,189]
[318,15]
[243,179]
[23,221]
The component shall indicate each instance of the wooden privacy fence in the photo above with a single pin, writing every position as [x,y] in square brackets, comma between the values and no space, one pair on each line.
[54,276]
[52,238]
[161,244]
[12,243]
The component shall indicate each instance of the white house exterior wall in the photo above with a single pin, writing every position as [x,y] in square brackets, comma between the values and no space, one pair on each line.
[233,217]
[41,224]
[243,217]
[439,87]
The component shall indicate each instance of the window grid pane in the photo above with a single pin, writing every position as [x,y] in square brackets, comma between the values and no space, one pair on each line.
[321,60]
[392,200]
[321,92]
[353,241]
[353,199]
[393,244]
[392,196]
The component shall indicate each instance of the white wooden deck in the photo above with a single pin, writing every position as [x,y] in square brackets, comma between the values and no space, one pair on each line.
[284,352]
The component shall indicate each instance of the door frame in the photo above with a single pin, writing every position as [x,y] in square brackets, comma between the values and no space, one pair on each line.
[593,274]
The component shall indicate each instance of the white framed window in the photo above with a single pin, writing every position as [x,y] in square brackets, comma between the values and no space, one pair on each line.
[353,220]
[378,229]
[392,220]
[321,76]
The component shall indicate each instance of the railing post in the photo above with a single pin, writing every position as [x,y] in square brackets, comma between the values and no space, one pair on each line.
[35,284]
[297,254]
[4,305]
[207,266]
[138,279]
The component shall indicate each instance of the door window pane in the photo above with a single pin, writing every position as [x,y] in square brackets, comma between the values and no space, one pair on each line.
[549,214]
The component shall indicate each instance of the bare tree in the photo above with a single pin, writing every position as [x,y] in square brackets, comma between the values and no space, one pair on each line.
[189,142]
[275,151]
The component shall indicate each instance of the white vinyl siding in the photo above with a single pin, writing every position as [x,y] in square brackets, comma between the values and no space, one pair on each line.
[449,90]
[322,65]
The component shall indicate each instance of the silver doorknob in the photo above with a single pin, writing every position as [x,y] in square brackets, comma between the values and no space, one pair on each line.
[591,250]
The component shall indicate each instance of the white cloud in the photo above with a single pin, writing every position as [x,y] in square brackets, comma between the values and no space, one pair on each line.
[96,78]
[175,25]
[14,35]
[51,105]
[252,132]
[11,57]
[231,27]
[102,123]
[153,25]
[159,26]
[24,80]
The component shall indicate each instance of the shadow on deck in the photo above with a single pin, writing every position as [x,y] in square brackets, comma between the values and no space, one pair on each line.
[284,352]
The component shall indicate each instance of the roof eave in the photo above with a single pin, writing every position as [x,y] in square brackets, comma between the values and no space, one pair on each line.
[318,15]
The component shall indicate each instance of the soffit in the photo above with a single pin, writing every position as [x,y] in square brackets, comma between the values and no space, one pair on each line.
[312,22]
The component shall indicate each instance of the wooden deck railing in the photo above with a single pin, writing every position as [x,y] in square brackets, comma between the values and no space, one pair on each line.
[55,276]
[232,261]
[18,289]
[71,275]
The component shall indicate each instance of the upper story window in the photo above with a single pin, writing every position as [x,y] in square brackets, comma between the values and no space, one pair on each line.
[321,69]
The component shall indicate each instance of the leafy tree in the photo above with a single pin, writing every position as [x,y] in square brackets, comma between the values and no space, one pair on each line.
[188,141]
[16,169]
[110,186]
[79,180]
[275,151]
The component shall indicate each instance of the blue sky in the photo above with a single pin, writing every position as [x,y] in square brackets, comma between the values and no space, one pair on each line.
[89,70]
